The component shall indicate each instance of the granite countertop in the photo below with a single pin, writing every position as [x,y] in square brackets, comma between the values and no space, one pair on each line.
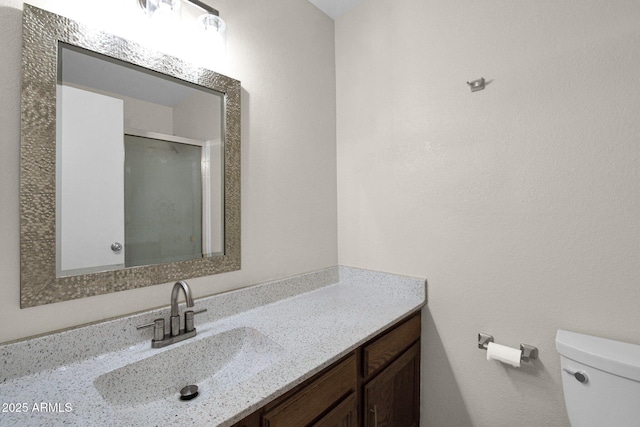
[300,334]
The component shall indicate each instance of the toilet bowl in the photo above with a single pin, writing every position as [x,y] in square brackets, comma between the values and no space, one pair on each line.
[600,379]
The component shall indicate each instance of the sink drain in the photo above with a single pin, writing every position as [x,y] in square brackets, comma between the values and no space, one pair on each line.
[189,392]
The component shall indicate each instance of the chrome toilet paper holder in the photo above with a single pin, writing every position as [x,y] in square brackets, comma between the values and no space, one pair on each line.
[529,352]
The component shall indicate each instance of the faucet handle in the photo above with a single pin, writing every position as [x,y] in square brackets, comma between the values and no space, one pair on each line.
[188,319]
[158,329]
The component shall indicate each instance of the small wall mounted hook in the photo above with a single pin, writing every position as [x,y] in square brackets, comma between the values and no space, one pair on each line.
[476,85]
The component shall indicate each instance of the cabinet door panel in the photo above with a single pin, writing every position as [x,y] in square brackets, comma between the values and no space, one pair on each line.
[343,415]
[392,398]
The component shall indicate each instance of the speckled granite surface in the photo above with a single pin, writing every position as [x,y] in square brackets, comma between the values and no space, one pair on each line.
[252,346]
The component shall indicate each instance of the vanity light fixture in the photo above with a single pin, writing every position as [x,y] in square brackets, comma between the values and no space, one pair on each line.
[210,20]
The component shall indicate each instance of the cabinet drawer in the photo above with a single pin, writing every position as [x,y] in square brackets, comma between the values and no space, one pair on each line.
[306,405]
[383,350]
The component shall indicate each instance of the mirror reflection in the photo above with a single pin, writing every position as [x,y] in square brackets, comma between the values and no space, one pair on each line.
[129,165]
[139,166]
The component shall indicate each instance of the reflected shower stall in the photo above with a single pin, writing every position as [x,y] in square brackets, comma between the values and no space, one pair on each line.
[163,188]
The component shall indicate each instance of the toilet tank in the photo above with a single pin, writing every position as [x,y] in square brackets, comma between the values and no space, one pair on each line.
[609,394]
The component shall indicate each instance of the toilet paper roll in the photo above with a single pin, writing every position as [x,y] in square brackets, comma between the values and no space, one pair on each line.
[504,354]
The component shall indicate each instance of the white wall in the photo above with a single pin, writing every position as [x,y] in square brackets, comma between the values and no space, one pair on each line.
[519,203]
[283,53]
[198,117]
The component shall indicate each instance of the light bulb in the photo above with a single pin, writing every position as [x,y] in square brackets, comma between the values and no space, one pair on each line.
[212,22]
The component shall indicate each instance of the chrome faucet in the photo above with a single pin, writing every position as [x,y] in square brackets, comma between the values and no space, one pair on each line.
[175,316]
[175,334]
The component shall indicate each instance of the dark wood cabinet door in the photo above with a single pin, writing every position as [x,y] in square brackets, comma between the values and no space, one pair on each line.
[392,398]
[343,415]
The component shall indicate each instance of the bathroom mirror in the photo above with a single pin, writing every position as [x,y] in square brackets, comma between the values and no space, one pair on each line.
[130,164]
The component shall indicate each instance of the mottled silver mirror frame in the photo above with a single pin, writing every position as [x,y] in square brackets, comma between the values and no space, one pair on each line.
[42,32]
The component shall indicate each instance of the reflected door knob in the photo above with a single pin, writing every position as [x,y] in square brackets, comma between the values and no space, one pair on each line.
[115,246]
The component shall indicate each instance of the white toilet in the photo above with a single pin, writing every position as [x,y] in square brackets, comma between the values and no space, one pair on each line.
[601,380]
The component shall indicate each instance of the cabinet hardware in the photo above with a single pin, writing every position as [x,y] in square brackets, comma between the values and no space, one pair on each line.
[375,415]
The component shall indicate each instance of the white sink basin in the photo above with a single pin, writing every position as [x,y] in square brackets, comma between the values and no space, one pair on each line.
[214,363]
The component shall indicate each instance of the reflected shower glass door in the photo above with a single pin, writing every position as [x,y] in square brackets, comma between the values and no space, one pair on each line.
[163,201]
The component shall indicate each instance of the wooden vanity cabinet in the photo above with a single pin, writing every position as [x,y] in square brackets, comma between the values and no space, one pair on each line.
[391,377]
[377,385]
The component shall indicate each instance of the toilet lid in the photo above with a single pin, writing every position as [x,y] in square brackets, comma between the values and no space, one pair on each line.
[611,356]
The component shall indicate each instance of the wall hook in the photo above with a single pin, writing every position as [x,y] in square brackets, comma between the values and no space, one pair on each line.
[476,85]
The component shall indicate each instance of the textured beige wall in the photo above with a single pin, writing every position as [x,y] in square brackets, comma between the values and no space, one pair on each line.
[520,203]
[283,53]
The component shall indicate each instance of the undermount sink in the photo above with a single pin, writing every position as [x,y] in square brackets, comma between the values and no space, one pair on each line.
[214,363]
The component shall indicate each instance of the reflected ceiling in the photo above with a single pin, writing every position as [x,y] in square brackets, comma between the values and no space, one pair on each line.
[335,8]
